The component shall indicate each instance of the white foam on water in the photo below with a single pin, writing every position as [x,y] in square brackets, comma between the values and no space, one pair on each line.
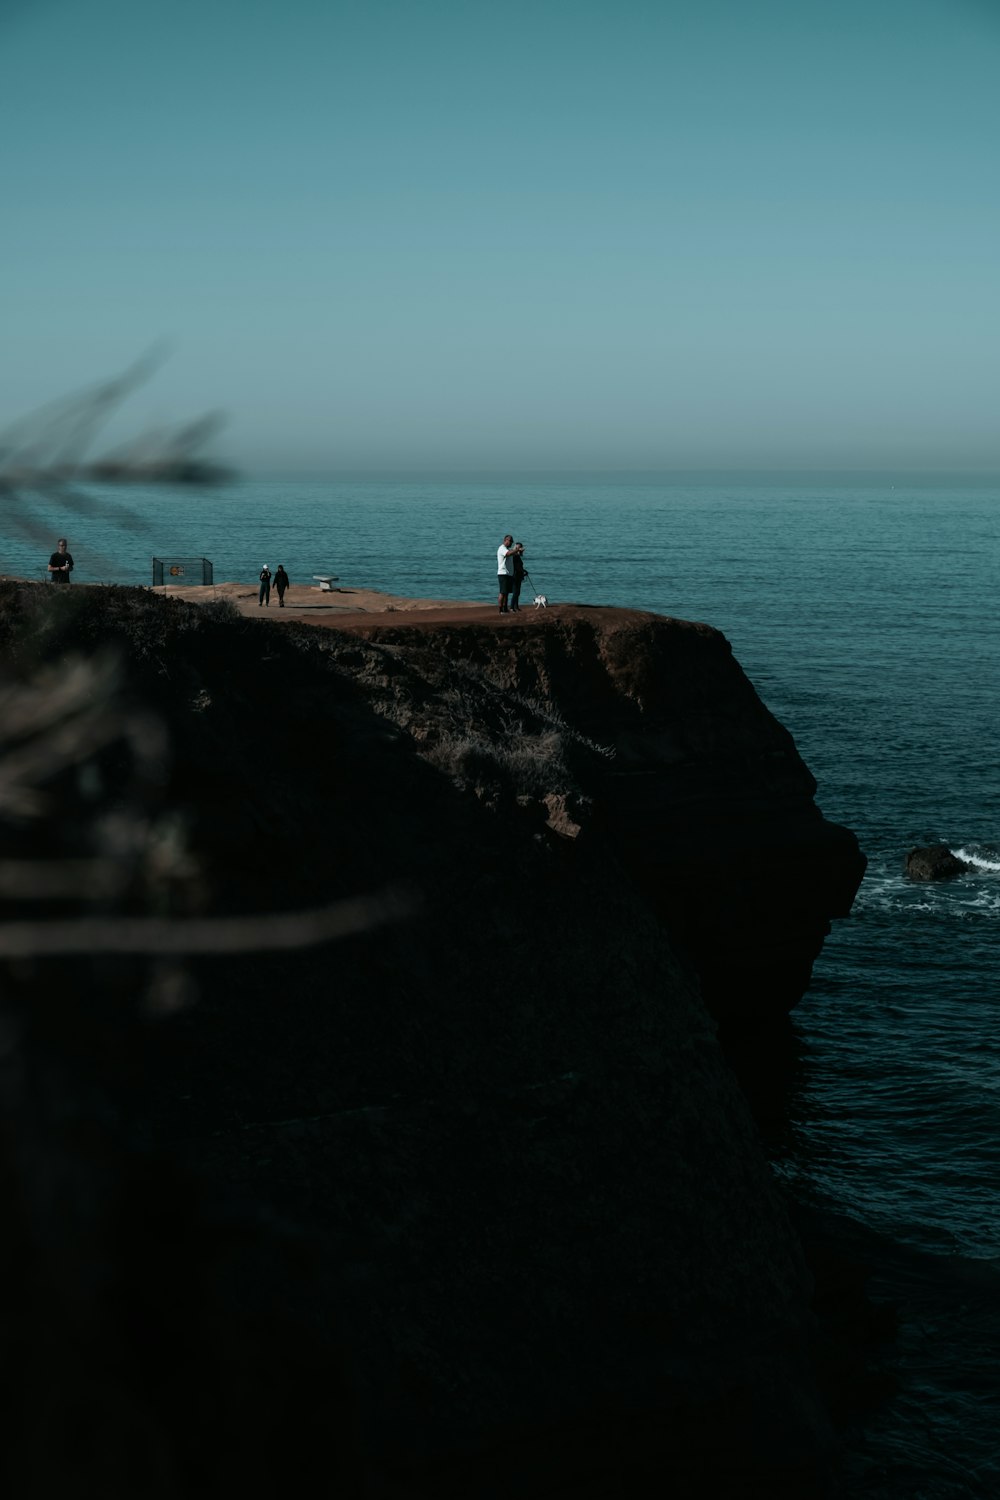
[974,894]
[979,861]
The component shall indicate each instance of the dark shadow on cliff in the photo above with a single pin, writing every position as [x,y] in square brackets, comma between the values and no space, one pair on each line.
[768,1058]
[159,1337]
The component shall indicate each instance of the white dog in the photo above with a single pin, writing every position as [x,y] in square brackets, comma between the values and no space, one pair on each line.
[541,602]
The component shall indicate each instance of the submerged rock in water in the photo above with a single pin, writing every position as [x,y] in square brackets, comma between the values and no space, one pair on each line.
[935,862]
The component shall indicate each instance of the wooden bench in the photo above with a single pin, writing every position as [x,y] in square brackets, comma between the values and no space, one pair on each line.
[326,582]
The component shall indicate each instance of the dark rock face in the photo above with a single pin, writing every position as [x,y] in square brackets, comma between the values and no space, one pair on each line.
[692,784]
[935,862]
[527,1202]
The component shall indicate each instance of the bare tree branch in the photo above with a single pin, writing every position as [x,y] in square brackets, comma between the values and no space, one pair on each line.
[255,933]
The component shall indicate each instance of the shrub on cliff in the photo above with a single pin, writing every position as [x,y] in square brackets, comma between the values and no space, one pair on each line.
[524,765]
[39,623]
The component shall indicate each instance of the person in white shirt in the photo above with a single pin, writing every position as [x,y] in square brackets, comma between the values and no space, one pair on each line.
[505,571]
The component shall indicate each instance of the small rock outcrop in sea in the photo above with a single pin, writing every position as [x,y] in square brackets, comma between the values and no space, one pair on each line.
[935,862]
[468,1202]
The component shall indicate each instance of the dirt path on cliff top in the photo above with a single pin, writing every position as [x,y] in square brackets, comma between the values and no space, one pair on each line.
[349,608]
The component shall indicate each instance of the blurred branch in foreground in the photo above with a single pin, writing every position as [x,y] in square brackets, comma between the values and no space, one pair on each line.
[54,723]
[56,720]
[52,443]
[256,933]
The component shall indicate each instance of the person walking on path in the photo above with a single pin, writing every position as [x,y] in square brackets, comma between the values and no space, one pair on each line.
[60,563]
[518,560]
[281,582]
[505,571]
[265,586]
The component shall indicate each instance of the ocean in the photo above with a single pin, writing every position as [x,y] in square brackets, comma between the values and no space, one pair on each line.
[864,610]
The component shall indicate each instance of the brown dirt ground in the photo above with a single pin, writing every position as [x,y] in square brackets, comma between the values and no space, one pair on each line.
[348,607]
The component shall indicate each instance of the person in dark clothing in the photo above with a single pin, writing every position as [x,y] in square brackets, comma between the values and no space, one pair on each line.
[265,586]
[518,561]
[281,582]
[60,563]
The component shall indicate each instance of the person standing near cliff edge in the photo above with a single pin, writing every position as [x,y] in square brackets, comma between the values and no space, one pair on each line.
[60,563]
[265,586]
[505,571]
[515,593]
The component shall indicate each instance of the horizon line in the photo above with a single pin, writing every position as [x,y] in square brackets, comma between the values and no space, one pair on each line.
[489,471]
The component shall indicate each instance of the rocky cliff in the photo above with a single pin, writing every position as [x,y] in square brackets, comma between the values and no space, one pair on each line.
[692,785]
[467,1202]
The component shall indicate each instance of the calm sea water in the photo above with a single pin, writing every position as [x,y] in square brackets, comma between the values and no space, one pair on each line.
[865,610]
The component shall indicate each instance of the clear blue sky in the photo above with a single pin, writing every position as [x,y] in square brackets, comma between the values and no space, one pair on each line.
[504,235]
